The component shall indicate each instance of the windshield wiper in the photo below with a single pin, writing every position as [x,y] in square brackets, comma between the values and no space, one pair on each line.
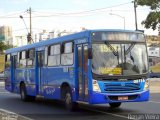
[112,48]
[129,48]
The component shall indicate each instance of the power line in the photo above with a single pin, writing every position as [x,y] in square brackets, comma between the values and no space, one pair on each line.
[93,10]
[81,13]
[86,14]
[72,13]
[88,11]
[11,14]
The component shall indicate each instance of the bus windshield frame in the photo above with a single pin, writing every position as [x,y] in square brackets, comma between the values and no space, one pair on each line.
[119,58]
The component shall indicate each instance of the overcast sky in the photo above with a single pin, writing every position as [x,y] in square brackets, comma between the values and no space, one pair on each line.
[72,15]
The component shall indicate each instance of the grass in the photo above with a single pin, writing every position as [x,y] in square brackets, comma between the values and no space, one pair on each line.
[2,63]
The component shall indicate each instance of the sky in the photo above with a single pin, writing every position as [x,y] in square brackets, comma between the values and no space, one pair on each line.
[72,15]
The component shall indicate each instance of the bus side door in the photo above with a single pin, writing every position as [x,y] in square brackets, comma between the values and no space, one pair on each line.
[39,65]
[82,72]
[13,67]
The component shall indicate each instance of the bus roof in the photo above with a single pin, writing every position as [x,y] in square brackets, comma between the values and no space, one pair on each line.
[70,37]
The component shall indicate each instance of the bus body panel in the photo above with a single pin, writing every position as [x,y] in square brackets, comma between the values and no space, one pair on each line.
[28,77]
[52,80]
[8,85]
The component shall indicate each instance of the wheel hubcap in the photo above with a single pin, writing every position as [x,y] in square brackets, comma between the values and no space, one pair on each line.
[22,94]
[68,99]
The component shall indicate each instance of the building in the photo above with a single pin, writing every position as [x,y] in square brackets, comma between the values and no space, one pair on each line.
[154,51]
[45,35]
[153,55]
[51,35]
[6,35]
[19,40]
[153,43]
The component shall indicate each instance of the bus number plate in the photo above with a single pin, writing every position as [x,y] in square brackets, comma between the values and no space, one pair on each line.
[122,97]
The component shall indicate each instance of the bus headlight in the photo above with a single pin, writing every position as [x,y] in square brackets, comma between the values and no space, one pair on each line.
[146,85]
[96,86]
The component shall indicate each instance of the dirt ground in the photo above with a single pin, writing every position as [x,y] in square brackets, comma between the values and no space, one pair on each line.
[155,85]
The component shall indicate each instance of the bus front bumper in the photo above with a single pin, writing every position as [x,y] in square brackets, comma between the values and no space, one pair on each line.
[101,98]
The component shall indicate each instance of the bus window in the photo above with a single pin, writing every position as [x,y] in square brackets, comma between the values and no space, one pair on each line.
[54,55]
[68,47]
[55,49]
[7,61]
[79,57]
[17,63]
[30,58]
[85,58]
[22,59]
[67,55]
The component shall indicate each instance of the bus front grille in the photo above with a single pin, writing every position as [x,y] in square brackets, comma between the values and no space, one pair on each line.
[121,87]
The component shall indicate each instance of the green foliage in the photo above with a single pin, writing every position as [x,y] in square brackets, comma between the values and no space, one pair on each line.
[153,18]
[153,4]
[3,46]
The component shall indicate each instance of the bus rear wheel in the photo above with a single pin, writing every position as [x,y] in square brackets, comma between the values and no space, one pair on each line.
[115,105]
[69,104]
[23,93]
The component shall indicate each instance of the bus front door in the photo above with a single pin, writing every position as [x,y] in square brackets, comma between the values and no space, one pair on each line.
[39,65]
[82,72]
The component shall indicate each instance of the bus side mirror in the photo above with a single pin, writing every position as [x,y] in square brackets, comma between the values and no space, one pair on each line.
[90,55]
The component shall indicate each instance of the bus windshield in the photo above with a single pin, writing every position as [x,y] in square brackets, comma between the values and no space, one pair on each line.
[119,59]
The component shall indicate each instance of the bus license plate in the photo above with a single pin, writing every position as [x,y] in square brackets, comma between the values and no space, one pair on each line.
[122,97]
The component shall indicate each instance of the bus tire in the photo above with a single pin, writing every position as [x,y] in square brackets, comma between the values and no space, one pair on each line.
[23,93]
[115,105]
[69,104]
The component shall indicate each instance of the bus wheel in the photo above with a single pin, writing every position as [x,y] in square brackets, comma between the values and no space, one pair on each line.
[115,105]
[24,95]
[70,105]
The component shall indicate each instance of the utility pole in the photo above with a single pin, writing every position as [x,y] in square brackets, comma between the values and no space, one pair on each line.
[29,37]
[135,12]
[30,20]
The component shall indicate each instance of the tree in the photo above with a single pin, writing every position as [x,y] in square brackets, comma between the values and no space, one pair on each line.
[3,47]
[153,18]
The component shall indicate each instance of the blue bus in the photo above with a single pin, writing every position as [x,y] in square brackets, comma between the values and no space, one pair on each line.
[92,66]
